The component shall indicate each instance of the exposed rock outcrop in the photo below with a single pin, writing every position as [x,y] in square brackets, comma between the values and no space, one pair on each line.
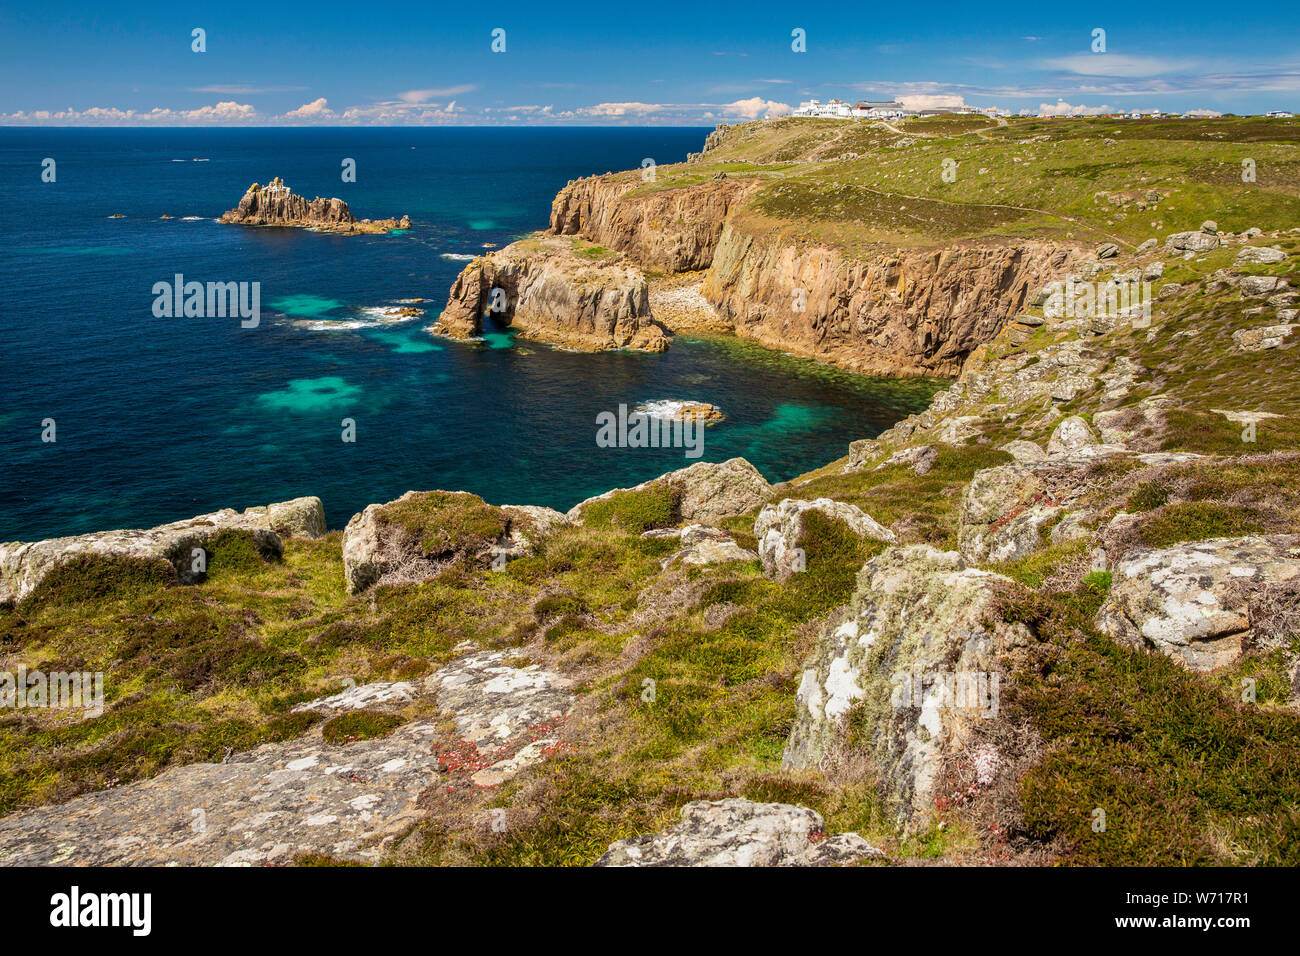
[275,204]
[667,230]
[423,532]
[24,565]
[916,312]
[707,491]
[543,288]
[737,832]
[701,544]
[1193,601]
[779,529]
[306,796]
[919,657]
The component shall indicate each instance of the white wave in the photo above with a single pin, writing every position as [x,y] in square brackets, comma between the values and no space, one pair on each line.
[665,408]
[458,257]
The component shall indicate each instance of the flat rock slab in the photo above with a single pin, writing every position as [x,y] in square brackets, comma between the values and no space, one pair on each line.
[268,805]
[738,832]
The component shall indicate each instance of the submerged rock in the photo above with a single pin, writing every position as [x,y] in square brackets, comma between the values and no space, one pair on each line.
[736,832]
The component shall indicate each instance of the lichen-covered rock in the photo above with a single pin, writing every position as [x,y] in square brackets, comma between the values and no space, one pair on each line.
[707,491]
[1192,601]
[1004,507]
[1263,337]
[298,518]
[1026,451]
[419,534]
[1260,254]
[736,832]
[305,796]
[24,565]
[780,527]
[701,544]
[1192,242]
[914,661]
[1072,434]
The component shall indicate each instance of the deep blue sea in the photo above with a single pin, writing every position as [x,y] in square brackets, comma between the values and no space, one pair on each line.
[161,419]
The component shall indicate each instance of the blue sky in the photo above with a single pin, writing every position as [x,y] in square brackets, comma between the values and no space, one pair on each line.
[629,62]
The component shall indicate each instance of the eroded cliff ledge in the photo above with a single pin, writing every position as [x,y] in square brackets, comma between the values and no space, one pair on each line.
[275,204]
[562,291]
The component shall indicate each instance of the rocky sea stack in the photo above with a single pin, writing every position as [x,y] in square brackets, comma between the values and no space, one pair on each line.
[275,204]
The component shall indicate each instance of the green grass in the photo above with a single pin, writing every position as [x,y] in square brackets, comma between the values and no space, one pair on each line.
[359,725]
[1185,771]
[633,511]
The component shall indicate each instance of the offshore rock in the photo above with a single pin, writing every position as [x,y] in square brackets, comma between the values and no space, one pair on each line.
[275,204]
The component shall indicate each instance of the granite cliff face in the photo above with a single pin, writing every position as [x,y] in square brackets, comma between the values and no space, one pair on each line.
[551,292]
[275,204]
[673,230]
[919,312]
[909,312]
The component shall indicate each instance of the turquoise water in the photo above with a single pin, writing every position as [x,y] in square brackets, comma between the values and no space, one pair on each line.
[160,419]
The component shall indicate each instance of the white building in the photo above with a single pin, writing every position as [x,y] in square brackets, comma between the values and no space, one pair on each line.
[1279,114]
[864,110]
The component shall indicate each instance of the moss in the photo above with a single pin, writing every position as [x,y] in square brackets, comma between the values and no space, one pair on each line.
[359,725]
[446,522]
[90,578]
[1197,521]
[635,511]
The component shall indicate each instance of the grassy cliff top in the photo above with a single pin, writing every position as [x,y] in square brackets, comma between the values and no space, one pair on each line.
[863,186]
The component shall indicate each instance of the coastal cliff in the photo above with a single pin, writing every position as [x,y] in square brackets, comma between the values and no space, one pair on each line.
[665,231]
[911,312]
[275,204]
[557,290]
[900,309]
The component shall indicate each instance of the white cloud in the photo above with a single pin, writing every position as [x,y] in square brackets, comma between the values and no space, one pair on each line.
[315,110]
[621,109]
[1062,108]
[1116,64]
[225,113]
[929,101]
[420,97]
[755,108]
